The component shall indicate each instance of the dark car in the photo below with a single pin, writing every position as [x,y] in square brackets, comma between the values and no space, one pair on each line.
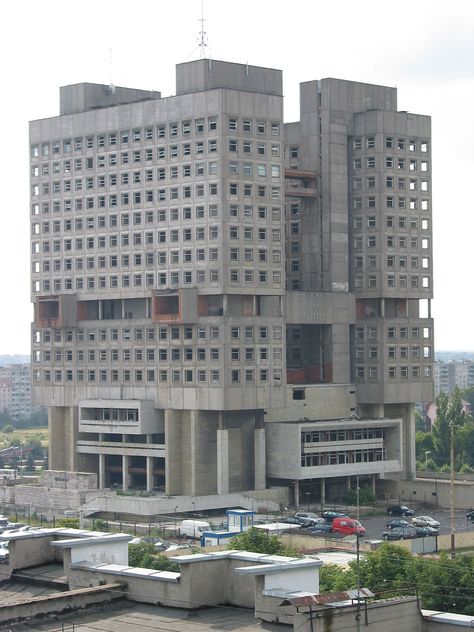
[400,510]
[470,514]
[397,522]
[330,515]
[320,528]
[399,533]
[299,521]
[423,532]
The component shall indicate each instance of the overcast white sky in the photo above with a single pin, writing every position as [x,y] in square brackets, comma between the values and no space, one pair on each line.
[423,47]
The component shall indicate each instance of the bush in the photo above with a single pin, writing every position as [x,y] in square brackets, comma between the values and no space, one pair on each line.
[258,541]
[8,429]
[466,469]
[68,523]
[366,496]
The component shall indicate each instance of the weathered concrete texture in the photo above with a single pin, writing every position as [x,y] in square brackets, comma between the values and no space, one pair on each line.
[58,602]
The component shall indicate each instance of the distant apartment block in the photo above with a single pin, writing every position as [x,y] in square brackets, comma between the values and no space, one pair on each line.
[448,375]
[225,302]
[15,390]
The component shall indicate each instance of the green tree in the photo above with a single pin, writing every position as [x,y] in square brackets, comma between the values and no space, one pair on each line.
[144,555]
[385,569]
[258,541]
[334,578]
[465,443]
[424,443]
[441,430]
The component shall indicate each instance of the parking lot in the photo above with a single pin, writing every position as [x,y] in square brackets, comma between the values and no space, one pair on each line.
[375,525]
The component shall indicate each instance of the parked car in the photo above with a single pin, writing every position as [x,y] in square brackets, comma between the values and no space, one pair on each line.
[399,533]
[400,510]
[178,547]
[330,515]
[302,522]
[322,527]
[423,532]
[470,514]
[347,526]
[397,522]
[425,521]
[309,516]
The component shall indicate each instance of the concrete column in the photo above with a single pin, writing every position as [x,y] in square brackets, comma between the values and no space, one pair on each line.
[125,477]
[101,471]
[374,478]
[323,491]
[260,463]
[222,461]
[348,482]
[149,473]
[297,494]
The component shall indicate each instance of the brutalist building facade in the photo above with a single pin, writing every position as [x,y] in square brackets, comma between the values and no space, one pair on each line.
[225,302]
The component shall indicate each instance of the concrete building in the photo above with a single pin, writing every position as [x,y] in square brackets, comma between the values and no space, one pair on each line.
[15,390]
[448,375]
[212,286]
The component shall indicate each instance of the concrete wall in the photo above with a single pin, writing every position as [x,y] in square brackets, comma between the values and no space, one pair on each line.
[389,616]
[59,602]
[207,582]
[27,551]
[434,493]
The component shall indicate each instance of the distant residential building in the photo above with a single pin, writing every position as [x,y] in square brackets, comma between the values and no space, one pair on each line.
[15,390]
[448,375]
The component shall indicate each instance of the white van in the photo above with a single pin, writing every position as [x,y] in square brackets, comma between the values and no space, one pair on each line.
[193,528]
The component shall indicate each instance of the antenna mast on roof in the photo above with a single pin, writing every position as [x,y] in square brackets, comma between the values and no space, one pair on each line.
[202,34]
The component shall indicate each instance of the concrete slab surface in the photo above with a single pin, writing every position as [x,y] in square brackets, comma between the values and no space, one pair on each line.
[130,617]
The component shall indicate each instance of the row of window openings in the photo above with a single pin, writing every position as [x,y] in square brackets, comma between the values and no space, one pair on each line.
[391,280]
[391,142]
[248,354]
[392,353]
[162,195]
[390,221]
[353,434]
[186,150]
[393,372]
[390,242]
[161,215]
[175,376]
[160,258]
[346,456]
[371,202]
[391,261]
[137,135]
[371,181]
[403,332]
[162,173]
[161,279]
[172,193]
[391,162]
[163,333]
[139,239]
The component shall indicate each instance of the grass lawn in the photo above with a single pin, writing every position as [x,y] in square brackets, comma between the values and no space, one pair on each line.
[23,435]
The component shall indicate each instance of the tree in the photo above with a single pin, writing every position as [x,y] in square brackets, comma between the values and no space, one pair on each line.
[334,578]
[258,541]
[144,555]
[441,430]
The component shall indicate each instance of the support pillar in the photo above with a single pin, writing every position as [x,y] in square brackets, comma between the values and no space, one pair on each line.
[348,482]
[297,494]
[125,477]
[260,463]
[222,461]
[101,471]
[374,478]
[323,492]
[149,473]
